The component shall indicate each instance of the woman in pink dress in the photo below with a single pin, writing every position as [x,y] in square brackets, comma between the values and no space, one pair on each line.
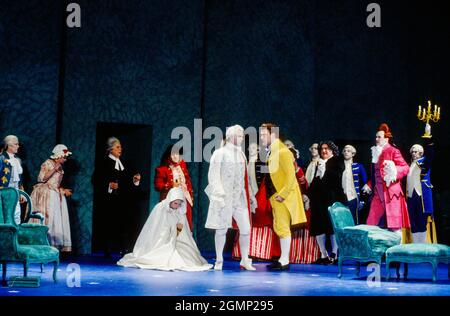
[49,199]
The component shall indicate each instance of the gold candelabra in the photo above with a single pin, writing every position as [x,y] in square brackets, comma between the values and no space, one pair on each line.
[427,115]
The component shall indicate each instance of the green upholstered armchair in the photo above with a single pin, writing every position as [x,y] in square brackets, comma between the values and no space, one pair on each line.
[26,243]
[362,243]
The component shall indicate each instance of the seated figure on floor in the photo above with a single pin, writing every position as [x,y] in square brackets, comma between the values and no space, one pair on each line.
[166,242]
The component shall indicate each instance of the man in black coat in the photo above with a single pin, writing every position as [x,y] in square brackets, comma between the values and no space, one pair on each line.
[114,189]
[326,189]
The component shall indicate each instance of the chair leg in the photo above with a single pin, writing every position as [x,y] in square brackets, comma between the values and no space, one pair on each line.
[55,270]
[340,266]
[405,273]
[448,268]
[358,268]
[435,266]
[397,268]
[42,267]
[388,271]
[4,273]
[25,268]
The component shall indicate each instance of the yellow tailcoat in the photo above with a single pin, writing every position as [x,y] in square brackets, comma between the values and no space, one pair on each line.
[282,173]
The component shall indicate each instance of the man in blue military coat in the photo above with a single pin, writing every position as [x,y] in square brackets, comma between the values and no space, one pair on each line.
[419,192]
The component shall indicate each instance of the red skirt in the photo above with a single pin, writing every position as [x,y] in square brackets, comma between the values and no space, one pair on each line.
[265,245]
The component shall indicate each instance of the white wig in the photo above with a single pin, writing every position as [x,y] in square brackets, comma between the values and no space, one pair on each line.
[417,147]
[352,149]
[289,143]
[8,140]
[110,143]
[233,131]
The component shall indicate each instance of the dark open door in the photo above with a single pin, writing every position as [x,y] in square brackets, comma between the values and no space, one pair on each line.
[136,141]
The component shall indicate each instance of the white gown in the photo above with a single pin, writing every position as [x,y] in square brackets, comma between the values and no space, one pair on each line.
[158,245]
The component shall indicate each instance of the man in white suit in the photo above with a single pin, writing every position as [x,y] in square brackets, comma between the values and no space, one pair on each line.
[230,196]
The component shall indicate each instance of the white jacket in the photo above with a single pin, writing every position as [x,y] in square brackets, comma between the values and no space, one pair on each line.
[226,186]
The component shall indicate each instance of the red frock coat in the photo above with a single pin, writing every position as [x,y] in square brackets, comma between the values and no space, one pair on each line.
[164,182]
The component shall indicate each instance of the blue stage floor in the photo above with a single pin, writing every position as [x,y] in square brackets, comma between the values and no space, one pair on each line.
[101,277]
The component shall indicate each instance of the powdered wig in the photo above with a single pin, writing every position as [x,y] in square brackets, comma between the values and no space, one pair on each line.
[352,149]
[289,143]
[232,131]
[312,145]
[417,147]
[331,145]
[8,140]
[111,142]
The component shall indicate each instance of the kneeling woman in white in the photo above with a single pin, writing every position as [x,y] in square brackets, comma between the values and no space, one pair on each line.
[165,242]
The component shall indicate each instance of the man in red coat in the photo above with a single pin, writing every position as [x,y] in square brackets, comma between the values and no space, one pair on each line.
[388,169]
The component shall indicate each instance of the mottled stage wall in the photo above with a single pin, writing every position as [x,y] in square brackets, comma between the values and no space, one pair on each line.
[131,62]
[29,63]
[260,67]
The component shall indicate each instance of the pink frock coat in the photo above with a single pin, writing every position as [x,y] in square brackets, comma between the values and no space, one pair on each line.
[392,199]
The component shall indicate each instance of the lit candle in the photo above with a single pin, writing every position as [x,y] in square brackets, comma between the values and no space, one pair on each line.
[429,107]
[420,110]
[424,114]
[435,108]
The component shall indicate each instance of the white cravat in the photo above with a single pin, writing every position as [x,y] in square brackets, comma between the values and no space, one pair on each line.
[118,165]
[16,170]
[347,181]
[321,167]
[413,180]
[376,152]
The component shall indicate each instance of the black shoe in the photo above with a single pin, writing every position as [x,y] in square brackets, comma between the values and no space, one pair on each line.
[320,260]
[334,258]
[326,261]
[276,266]
[273,265]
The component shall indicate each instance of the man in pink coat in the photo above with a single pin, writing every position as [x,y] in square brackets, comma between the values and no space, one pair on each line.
[388,169]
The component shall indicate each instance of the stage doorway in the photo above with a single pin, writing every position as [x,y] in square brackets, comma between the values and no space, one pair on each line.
[136,141]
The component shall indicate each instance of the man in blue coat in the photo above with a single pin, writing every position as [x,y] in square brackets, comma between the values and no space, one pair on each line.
[354,178]
[419,191]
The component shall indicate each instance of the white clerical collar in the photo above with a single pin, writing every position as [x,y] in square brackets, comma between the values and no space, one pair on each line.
[118,165]
[325,160]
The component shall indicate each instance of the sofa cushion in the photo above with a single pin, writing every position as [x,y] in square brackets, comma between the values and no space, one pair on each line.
[419,250]
[379,239]
[37,252]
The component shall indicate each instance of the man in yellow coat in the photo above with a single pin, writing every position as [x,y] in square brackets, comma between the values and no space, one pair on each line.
[282,190]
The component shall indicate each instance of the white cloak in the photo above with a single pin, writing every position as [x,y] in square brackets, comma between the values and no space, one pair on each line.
[158,245]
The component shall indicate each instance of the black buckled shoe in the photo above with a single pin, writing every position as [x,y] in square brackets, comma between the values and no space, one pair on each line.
[333,258]
[320,260]
[276,266]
